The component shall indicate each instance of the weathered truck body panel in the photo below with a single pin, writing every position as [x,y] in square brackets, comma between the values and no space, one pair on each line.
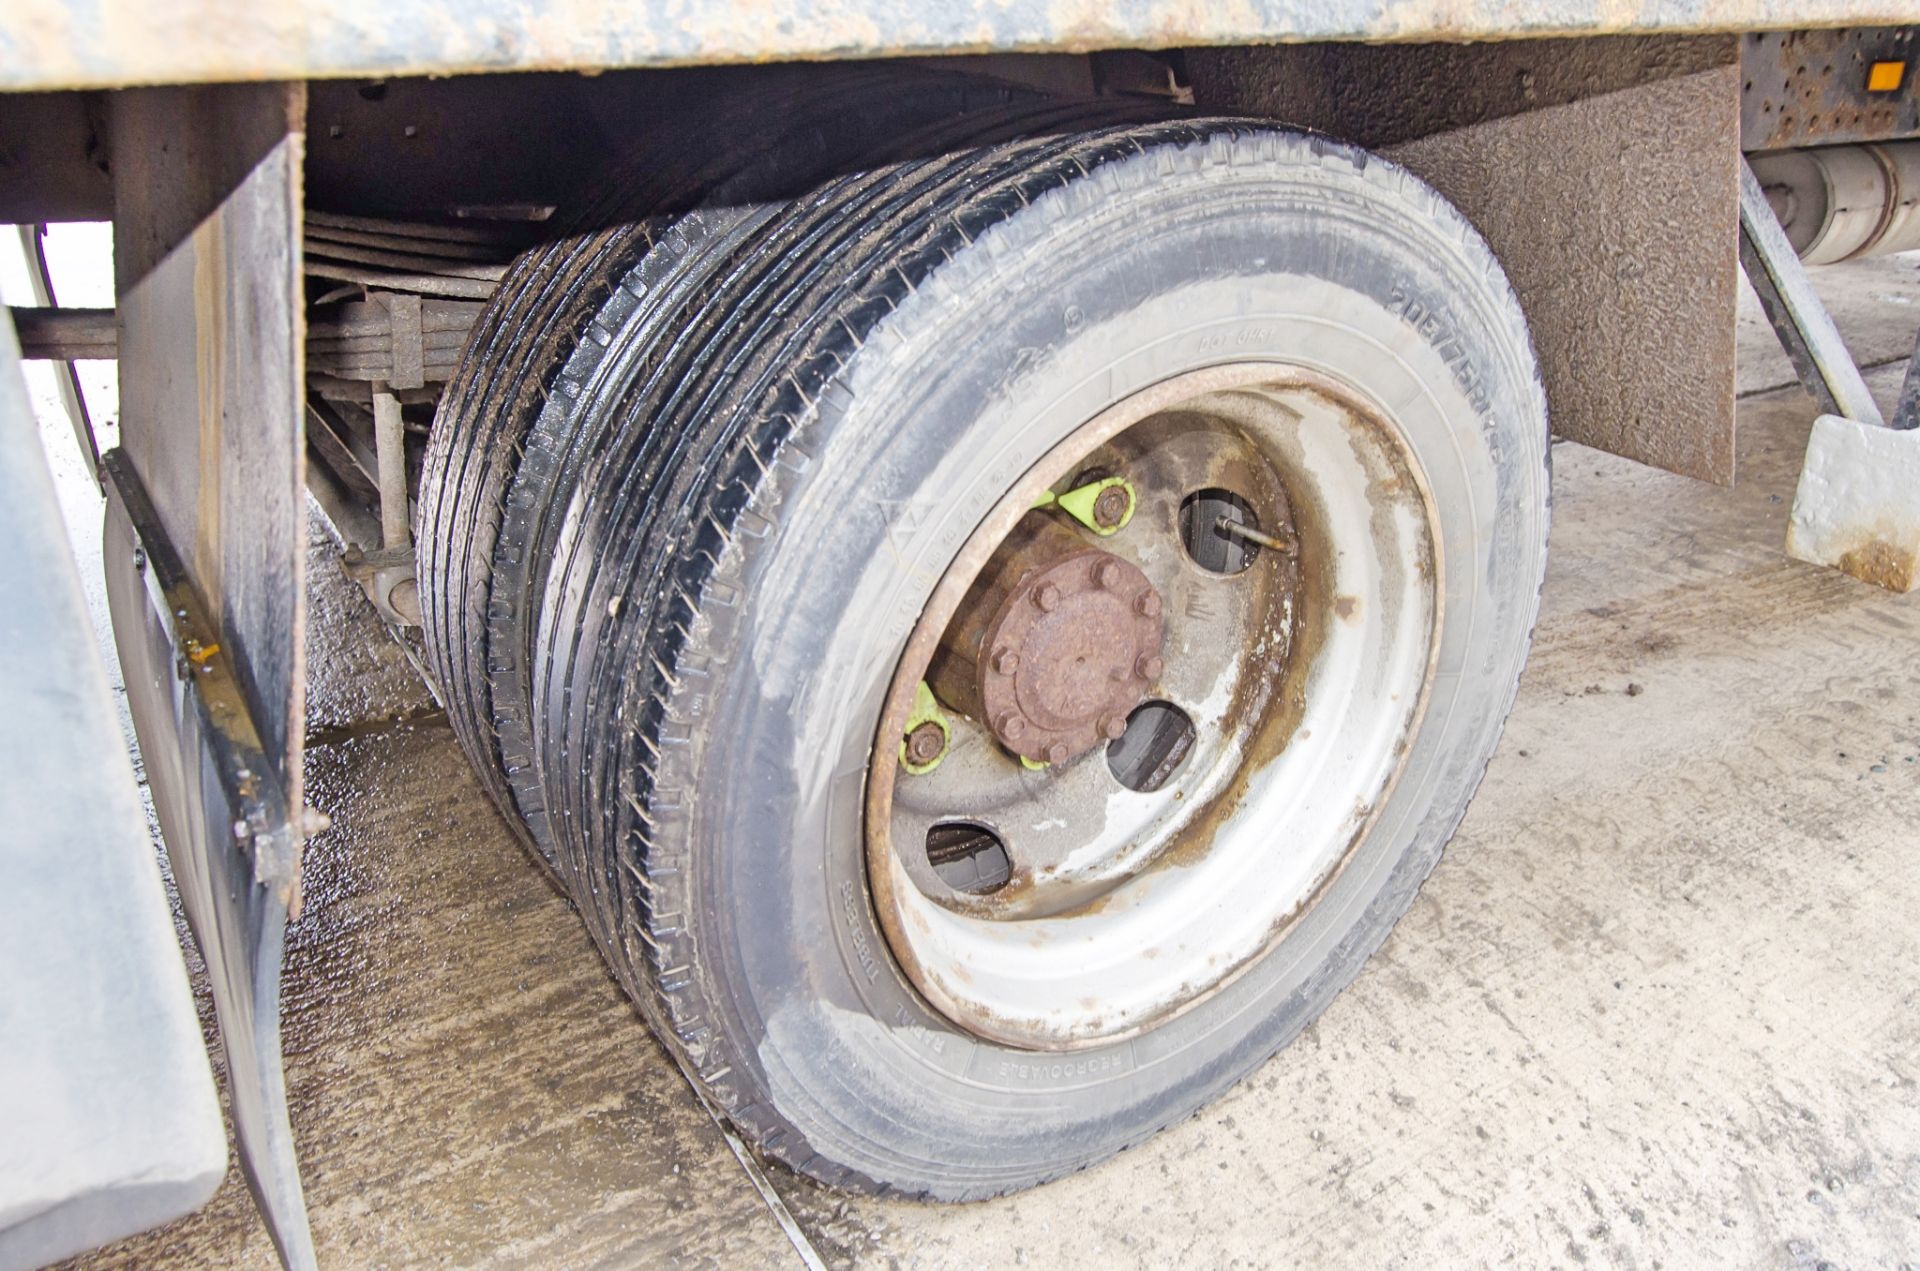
[47,44]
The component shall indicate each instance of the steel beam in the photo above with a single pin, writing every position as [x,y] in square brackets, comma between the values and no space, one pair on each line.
[68,44]
[53,157]
[66,335]
[1816,88]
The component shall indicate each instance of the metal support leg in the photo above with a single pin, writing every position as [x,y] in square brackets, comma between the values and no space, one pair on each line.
[1857,507]
[1801,322]
[1906,412]
[387,574]
[40,279]
[389,448]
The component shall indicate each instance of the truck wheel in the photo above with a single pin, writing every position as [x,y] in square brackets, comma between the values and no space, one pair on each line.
[1030,631]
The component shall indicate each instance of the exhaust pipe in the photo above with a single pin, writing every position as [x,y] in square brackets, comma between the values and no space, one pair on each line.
[1844,202]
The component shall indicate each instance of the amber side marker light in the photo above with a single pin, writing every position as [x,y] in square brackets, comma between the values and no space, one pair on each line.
[1886,77]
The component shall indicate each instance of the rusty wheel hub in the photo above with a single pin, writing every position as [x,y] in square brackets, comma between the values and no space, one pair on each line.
[1169,718]
[1073,648]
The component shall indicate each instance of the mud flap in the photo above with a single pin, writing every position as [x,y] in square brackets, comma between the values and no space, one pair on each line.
[206,535]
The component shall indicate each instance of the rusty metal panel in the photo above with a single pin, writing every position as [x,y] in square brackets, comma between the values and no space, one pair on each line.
[68,44]
[1602,173]
[205,551]
[1813,88]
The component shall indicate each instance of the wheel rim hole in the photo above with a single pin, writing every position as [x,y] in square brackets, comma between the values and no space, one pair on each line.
[1158,737]
[1214,548]
[968,857]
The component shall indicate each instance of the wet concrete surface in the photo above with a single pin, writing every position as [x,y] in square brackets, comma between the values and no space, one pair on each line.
[1656,1007]
[468,1084]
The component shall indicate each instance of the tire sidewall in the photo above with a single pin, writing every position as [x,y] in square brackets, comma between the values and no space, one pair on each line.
[1270,246]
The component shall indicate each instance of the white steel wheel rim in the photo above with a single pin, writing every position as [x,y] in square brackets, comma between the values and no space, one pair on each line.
[1222,888]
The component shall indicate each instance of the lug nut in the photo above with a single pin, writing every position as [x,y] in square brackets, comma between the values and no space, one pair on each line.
[1149,667]
[1010,726]
[925,743]
[1148,604]
[1114,726]
[1108,574]
[1005,660]
[1047,597]
[1110,507]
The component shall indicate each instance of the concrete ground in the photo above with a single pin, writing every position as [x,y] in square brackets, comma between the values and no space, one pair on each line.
[1655,1008]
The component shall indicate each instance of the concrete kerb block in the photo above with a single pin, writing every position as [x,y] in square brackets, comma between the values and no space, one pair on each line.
[1857,508]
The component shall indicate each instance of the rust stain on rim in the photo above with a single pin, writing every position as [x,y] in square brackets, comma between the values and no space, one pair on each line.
[1286,692]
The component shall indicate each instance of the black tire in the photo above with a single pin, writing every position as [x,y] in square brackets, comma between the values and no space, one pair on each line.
[503,453]
[726,602]
[520,341]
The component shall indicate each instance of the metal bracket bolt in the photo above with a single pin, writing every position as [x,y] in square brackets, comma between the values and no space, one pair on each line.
[1104,506]
[927,735]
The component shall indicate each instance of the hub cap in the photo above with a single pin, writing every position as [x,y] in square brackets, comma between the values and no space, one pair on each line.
[1071,651]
